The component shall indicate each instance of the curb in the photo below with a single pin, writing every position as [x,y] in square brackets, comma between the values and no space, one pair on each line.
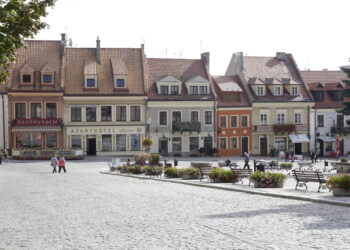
[290,197]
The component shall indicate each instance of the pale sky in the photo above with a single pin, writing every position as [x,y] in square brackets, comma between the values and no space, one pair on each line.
[316,32]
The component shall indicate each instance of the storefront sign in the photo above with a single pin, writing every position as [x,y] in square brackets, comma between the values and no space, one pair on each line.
[37,122]
[105,130]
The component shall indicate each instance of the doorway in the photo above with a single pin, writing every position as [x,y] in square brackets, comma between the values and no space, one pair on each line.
[208,145]
[263,146]
[91,150]
[298,148]
[163,147]
[245,147]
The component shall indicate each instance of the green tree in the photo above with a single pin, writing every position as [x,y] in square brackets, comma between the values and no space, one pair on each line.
[346,109]
[19,20]
[147,143]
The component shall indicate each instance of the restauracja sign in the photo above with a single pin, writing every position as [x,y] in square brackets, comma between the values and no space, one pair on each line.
[38,122]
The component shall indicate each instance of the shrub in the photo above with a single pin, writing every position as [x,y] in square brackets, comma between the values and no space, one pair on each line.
[339,181]
[344,159]
[147,170]
[286,165]
[141,158]
[134,169]
[221,174]
[268,177]
[154,159]
[273,152]
[193,172]
[171,173]
[147,143]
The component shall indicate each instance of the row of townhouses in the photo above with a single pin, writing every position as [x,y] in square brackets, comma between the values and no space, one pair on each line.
[107,100]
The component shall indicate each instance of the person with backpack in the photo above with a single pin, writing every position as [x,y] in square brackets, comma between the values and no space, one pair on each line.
[61,164]
[54,163]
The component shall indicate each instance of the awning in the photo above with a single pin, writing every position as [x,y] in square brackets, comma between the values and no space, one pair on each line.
[36,128]
[299,138]
[327,138]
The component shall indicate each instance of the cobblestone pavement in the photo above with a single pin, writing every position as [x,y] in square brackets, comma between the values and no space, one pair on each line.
[84,209]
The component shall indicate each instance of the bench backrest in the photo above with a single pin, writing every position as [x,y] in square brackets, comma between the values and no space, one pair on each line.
[201,165]
[241,172]
[314,176]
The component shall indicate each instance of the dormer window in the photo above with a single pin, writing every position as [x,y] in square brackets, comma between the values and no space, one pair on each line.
[120,83]
[203,90]
[168,85]
[90,83]
[26,78]
[174,90]
[47,78]
[120,73]
[260,90]
[164,90]
[277,91]
[197,85]
[295,91]
[193,90]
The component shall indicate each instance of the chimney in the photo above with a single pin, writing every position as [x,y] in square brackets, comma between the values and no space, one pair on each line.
[98,50]
[239,62]
[205,58]
[281,56]
[63,44]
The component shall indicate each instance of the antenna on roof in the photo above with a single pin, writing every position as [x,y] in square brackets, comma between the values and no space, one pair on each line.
[70,43]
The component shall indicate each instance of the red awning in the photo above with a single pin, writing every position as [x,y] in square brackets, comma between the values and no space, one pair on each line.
[36,128]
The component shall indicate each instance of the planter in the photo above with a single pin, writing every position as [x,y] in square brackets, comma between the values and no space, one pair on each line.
[341,192]
[188,177]
[343,167]
[218,180]
[269,185]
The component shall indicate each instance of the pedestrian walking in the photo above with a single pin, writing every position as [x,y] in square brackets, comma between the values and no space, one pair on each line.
[292,155]
[246,161]
[286,156]
[61,164]
[312,157]
[54,163]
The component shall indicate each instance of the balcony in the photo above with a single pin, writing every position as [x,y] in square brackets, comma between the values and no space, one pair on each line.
[283,128]
[186,127]
[340,130]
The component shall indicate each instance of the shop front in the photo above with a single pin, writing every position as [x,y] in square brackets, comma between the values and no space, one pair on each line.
[106,140]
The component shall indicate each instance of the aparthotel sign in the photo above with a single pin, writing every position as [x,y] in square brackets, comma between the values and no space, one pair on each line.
[105,130]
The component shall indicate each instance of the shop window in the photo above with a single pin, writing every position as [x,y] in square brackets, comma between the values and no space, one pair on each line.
[35,110]
[121,113]
[177,147]
[91,114]
[135,113]
[106,143]
[106,113]
[208,117]
[75,114]
[280,144]
[194,144]
[28,140]
[135,142]
[51,140]
[20,111]
[194,116]
[51,110]
[223,143]
[234,142]
[163,118]
[76,141]
[121,142]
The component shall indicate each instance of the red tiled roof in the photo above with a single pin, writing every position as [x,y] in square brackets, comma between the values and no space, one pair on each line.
[181,69]
[314,76]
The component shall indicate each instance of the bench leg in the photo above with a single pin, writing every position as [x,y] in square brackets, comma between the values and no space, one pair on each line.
[296,186]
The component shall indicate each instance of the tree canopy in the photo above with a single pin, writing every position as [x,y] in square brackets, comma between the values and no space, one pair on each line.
[346,109]
[19,20]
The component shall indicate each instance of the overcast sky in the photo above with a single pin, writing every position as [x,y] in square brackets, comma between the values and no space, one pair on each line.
[316,32]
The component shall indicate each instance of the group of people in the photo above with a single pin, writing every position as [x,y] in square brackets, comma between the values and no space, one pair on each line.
[61,163]
[289,155]
[246,161]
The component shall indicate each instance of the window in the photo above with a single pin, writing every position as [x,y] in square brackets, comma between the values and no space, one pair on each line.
[121,142]
[263,119]
[35,110]
[177,147]
[106,143]
[76,141]
[208,117]
[223,121]
[244,121]
[164,90]
[174,90]
[28,140]
[106,113]
[51,140]
[295,91]
[194,116]
[280,144]
[91,114]
[51,110]
[278,91]
[20,110]
[234,143]
[26,78]
[337,95]
[318,95]
[121,113]
[193,90]
[203,90]
[280,119]
[297,118]
[120,83]
[260,90]
[163,118]
[194,144]
[75,114]
[320,120]
[135,142]
[223,143]
[234,121]
[90,83]
[47,78]
[135,113]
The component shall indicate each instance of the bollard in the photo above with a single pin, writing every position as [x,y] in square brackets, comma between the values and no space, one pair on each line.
[175,162]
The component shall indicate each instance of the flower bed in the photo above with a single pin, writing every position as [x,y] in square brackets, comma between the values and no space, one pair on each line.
[188,173]
[268,180]
[170,173]
[340,185]
[220,175]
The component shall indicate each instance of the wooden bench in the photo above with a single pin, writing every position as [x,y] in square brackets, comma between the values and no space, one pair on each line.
[204,169]
[239,174]
[303,177]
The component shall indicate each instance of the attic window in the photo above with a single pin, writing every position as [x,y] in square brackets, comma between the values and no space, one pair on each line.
[26,78]
[47,79]
[295,91]
[90,83]
[278,91]
[120,83]
[260,90]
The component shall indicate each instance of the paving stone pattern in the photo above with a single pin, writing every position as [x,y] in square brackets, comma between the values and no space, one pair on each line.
[83,209]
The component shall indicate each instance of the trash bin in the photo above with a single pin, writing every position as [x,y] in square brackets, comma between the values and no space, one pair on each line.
[175,162]
[260,166]
[326,163]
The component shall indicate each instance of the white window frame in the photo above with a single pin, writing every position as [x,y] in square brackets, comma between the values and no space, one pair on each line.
[226,146]
[208,124]
[199,118]
[295,90]
[237,116]
[225,121]
[90,77]
[237,138]
[277,91]
[296,114]
[278,118]
[260,90]
[247,121]
[167,118]
[265,121]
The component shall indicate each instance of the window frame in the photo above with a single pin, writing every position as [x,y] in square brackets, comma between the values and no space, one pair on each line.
[140,113]
[260,90]
[160,120]
[295,93]
[221,120]
[74,113]
[237,142]
[25,110]
[247,116]
[117,82]
[279,92]
[225,139]
[205,117]
[317,121]
[46,110]
[86,115]
[102,115]
[278,119]
[116,113]
[36,114]
[237,121]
